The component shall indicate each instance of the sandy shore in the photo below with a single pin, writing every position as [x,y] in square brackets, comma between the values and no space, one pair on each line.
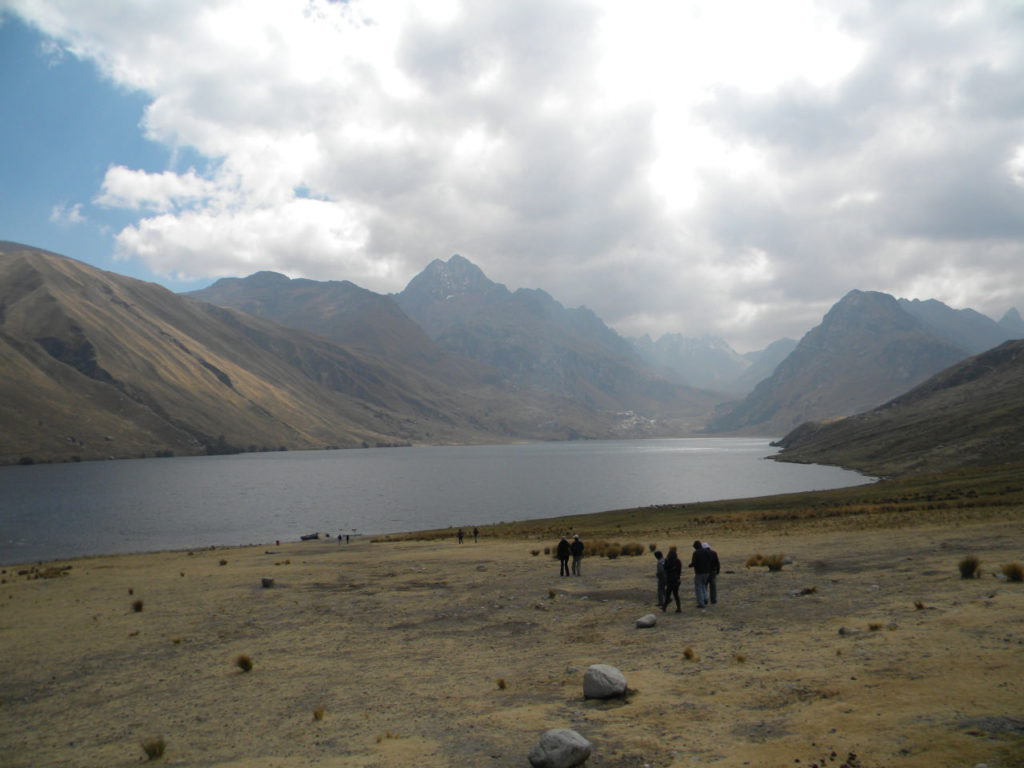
[440,654]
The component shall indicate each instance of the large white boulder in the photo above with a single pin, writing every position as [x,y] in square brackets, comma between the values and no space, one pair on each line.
[602,681]
[560,748]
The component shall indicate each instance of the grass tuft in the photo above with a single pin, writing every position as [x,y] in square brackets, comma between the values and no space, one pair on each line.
[775,562]
[154,748]
[243,662]
[137,606]
[688,654]
[1014,571]
[969,567]
[318,713]
[501,684]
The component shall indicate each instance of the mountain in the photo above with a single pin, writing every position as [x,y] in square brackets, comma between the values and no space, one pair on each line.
[1012,324]
[340,311]
[762,364]
[971,414]
[867,349]
[707,362]
[966,329]
[97,365]
[538,345]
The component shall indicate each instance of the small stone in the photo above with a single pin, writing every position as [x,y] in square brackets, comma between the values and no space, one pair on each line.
[267,582]
[645,622]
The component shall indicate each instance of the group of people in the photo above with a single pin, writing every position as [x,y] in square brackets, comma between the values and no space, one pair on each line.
[706,567]
[461,535]
[565,550]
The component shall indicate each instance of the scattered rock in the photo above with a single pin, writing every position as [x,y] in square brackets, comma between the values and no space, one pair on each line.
[560,748]
[267,582]
[645,622]
[602,681]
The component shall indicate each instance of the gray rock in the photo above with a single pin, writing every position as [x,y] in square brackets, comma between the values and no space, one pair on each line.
[560,748]
[602,681]
[645,622]
[267,582]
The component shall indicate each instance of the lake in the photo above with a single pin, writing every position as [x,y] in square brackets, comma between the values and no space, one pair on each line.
[53,511]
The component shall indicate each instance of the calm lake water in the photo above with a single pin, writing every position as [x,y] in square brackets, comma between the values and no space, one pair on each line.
[53,511]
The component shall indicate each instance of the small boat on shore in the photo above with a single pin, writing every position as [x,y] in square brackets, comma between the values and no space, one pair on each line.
[310,536]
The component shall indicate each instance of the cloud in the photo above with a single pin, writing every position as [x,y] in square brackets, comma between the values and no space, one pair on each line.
[678,167]
[66,214]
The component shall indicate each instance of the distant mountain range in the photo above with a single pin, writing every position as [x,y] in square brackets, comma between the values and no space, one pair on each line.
[970,414]
[97,365]
[708,362]
[869,348]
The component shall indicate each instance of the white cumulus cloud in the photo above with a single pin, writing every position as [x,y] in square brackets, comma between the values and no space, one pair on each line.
[690,167]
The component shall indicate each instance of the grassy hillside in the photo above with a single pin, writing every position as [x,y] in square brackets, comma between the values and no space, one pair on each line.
[971,414]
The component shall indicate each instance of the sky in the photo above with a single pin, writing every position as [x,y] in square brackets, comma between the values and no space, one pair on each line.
[721,167]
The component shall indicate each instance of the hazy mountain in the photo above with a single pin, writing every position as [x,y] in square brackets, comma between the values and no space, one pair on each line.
[1012,324]
[341,311]
[706,362]
[971,414]
[966,329]
[762,364]
[866,350]
[538,345]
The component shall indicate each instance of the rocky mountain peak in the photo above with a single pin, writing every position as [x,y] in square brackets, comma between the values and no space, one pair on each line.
[442,280]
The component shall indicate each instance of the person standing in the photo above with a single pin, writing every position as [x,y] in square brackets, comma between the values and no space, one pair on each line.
[659,571]
[713,571]
[563,557]
[701,564]
[577,554]
[673,576]
[476,534]
[460,535]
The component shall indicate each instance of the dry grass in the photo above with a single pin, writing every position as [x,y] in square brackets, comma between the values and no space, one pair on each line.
[243,662]
[318,713]
[969,567]
[1014,571]
[154,748]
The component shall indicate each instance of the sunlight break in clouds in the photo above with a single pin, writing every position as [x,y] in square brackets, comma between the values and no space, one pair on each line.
[689,167]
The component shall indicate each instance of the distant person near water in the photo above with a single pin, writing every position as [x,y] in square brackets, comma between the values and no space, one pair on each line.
[701,564]
[460,534]
[476,533]
[673,576]
[563,557]
[659,572]
[577,554]
[716,568]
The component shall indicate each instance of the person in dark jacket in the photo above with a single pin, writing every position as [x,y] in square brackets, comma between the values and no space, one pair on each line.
[701,564]
[716,568]
[563,557]
[659,571]
[673,575]
[577,553]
